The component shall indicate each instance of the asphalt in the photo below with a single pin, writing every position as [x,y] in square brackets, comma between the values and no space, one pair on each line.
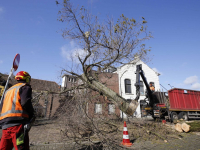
[190,142]
[46,136]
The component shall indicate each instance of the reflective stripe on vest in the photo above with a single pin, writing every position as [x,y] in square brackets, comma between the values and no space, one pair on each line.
[11,104]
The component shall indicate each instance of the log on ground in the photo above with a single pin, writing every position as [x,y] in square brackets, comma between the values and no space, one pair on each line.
[186,126]
[178,127]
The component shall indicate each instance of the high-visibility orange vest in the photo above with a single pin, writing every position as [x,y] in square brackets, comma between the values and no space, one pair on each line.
[11,103]
[152,88]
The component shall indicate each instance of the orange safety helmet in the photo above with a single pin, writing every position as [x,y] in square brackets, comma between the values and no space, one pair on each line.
[23,75]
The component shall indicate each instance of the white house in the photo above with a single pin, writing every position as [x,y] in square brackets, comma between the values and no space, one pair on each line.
[127,80]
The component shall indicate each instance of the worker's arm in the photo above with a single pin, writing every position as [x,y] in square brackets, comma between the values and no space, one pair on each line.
[26,96]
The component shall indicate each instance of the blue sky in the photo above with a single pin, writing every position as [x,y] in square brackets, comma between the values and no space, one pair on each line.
[31,29]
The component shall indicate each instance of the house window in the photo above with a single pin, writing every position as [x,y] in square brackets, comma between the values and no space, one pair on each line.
[111,109]
[127,85]
[141,88]
[98,108]
[69,79]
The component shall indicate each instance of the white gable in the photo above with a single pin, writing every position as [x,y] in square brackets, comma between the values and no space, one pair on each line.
[128,72]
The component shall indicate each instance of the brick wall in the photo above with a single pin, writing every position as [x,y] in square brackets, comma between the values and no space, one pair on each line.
[111,81]
[108,79]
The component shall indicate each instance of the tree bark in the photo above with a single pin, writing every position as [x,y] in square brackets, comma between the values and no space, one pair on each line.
[124,106]
[194,126]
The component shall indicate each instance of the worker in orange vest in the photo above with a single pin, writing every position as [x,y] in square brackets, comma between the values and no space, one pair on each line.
[152,88]
[16,113]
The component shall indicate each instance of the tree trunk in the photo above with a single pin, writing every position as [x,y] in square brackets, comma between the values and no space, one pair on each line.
[178,127]
[185,127]
[193,126]
[124,106]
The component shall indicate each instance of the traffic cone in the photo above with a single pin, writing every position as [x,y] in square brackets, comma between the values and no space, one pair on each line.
[126,140]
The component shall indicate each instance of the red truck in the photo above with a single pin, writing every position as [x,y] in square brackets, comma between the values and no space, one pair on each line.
[184,104]
[175,104]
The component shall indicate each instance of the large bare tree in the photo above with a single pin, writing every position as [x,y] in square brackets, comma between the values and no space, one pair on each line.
[104,45]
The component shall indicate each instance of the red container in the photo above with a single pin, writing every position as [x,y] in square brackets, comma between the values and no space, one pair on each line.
[183,99]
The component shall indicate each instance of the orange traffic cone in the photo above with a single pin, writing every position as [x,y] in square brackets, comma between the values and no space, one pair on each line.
[126,140]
